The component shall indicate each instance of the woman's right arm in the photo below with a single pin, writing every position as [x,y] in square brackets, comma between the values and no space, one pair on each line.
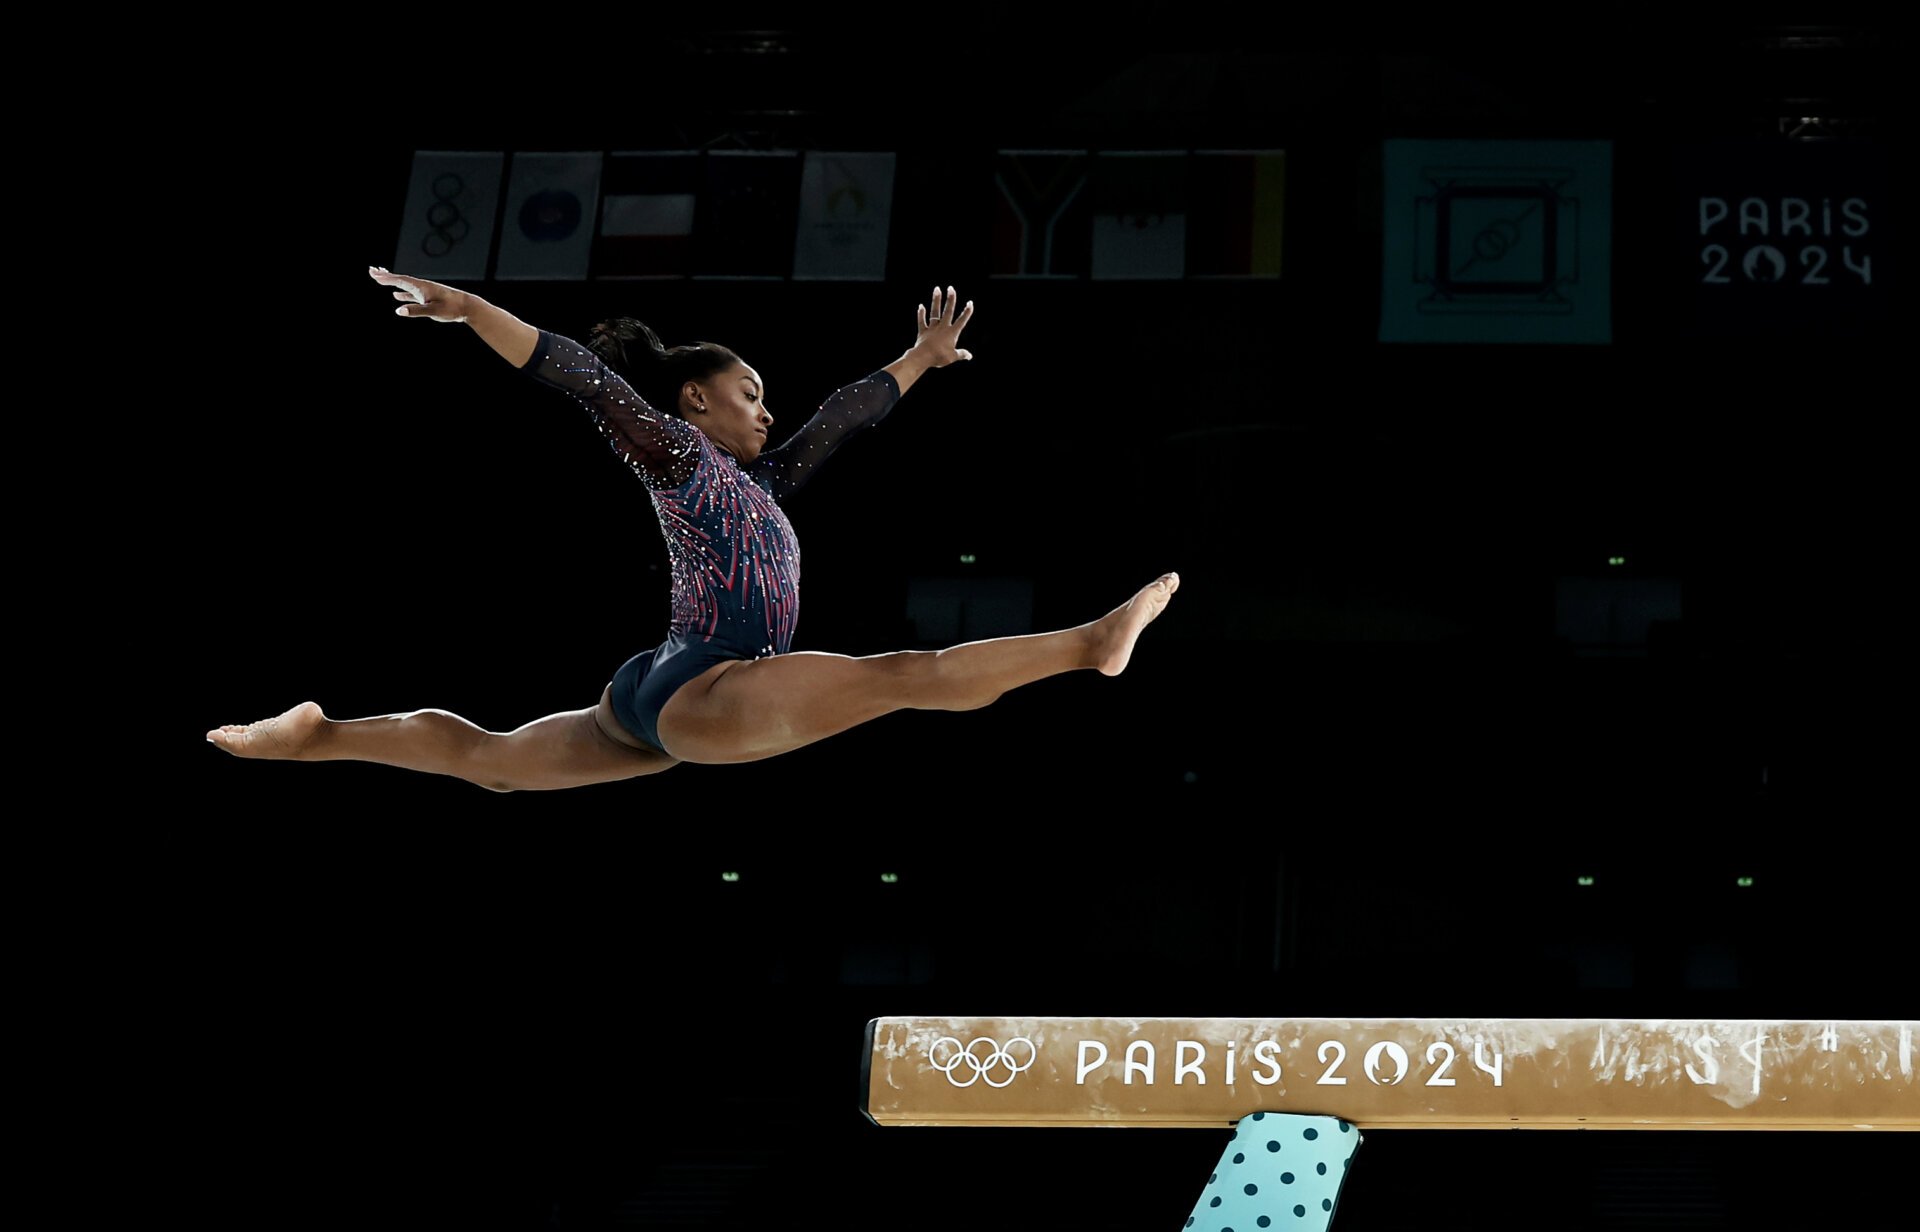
[662,449]
[507,334]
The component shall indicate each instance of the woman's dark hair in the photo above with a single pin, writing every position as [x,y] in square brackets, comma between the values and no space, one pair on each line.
[656,372]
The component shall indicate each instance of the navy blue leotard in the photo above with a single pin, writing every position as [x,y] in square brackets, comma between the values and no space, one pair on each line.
[736,562]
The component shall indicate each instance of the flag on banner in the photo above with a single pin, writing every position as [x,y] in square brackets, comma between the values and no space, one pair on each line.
[1041,217]
[746,221]
[1779,238]
[646,215]
[1237,203]
[447,232]
[548,230]
[1139,214]
[846,204]
[1497,241]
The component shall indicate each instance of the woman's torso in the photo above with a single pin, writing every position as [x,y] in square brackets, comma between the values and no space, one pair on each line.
[734,557]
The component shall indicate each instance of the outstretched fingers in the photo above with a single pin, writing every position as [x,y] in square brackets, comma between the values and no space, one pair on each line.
[944,312]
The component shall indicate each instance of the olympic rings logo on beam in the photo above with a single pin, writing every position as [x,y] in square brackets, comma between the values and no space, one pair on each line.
[982,1066]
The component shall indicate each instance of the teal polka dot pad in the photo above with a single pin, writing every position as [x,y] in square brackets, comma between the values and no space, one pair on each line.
[1279,1171]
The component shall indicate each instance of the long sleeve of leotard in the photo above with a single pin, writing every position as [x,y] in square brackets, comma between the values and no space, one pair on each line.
[662,449]
[846,411]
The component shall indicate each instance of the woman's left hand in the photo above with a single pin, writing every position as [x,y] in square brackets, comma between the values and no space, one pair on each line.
[940,329]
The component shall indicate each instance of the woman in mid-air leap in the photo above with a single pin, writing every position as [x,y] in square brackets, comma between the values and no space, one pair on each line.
[723,687]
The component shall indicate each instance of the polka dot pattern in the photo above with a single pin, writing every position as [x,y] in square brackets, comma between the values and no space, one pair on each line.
[1251,1189]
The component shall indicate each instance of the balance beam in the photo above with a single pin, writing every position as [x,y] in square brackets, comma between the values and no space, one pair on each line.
[1395,1073]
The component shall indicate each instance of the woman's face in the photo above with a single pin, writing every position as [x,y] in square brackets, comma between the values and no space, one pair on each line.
[731,408]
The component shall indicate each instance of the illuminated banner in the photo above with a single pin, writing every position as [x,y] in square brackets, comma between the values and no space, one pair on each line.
[548,231]
[1497,241]
[1139,214]
[846,207]
[447,231]
[646,215]
[1041,214]
[1781,237]
[1395,1073]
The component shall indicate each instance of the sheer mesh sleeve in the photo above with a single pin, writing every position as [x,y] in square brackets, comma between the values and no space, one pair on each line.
[662,449]
[859,405]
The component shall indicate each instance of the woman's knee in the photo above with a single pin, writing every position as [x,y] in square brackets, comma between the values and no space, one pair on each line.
[907,678]
[930,680]
[487,763]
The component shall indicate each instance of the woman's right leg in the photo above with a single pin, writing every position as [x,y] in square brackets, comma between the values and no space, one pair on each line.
[570,749]
[745,710]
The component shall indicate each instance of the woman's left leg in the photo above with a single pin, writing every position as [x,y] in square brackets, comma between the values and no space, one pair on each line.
[744,710]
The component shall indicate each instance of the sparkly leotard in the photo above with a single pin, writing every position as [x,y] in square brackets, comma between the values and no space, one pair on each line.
[735,560]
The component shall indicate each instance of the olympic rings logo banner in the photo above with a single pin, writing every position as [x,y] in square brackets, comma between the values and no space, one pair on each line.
[447,231]
[981,1067]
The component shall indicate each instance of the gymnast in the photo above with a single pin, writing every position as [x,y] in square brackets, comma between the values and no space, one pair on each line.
[723,687]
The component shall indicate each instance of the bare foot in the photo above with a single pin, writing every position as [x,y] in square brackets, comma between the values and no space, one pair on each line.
[284,736]
[1115,633]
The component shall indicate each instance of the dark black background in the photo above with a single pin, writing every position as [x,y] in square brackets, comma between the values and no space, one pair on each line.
[1352,771]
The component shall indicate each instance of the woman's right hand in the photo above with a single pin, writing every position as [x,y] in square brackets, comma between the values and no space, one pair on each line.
[420,298]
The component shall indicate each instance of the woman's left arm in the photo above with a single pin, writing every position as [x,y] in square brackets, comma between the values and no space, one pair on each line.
[938,342]
[865,402]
